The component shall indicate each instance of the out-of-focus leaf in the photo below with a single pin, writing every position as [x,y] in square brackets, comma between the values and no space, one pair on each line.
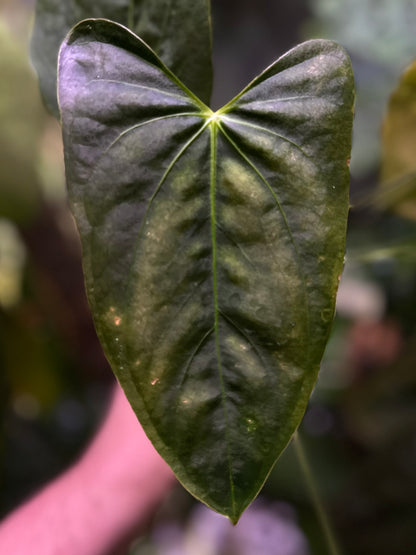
[21,117]
[12,258]
[178,30]
[383,32]
[212,242]
[398,170]
[28,361]
[381,40]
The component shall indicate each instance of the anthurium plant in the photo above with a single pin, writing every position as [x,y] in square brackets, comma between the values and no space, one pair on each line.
[213,241]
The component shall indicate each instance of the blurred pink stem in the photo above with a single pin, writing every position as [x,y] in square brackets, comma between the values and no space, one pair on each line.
[98,505]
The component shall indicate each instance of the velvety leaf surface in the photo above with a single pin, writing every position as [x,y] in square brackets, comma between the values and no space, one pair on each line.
[178,30]
[213,244]
[398,168]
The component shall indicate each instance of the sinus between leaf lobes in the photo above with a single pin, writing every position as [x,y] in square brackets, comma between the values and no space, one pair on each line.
[213,118]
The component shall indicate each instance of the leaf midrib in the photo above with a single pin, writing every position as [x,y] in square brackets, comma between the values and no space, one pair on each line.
[213,172]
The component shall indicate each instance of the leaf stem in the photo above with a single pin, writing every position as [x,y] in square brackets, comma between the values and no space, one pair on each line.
[130,16]
[214,131]
[321,514]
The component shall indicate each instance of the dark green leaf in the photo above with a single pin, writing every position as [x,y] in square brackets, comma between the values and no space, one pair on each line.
[213,244]
[178,30]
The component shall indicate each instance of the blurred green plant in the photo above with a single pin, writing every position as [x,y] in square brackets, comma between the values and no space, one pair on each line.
[381,41]
[398,162]
[22,121]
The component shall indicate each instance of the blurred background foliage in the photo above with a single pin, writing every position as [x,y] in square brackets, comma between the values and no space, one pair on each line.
[359,431]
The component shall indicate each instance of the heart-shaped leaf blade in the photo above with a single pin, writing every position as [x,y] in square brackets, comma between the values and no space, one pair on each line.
[213,245]
[178,30]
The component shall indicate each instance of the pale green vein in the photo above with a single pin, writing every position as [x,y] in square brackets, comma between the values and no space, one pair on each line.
[213,128]
[245,336]
[147,122]
[145,87]
[133,128]
[239,247]
[285,99]
[238,121]
[283,214]
[155,192]
[193,355]
[175,316]
[172,164]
